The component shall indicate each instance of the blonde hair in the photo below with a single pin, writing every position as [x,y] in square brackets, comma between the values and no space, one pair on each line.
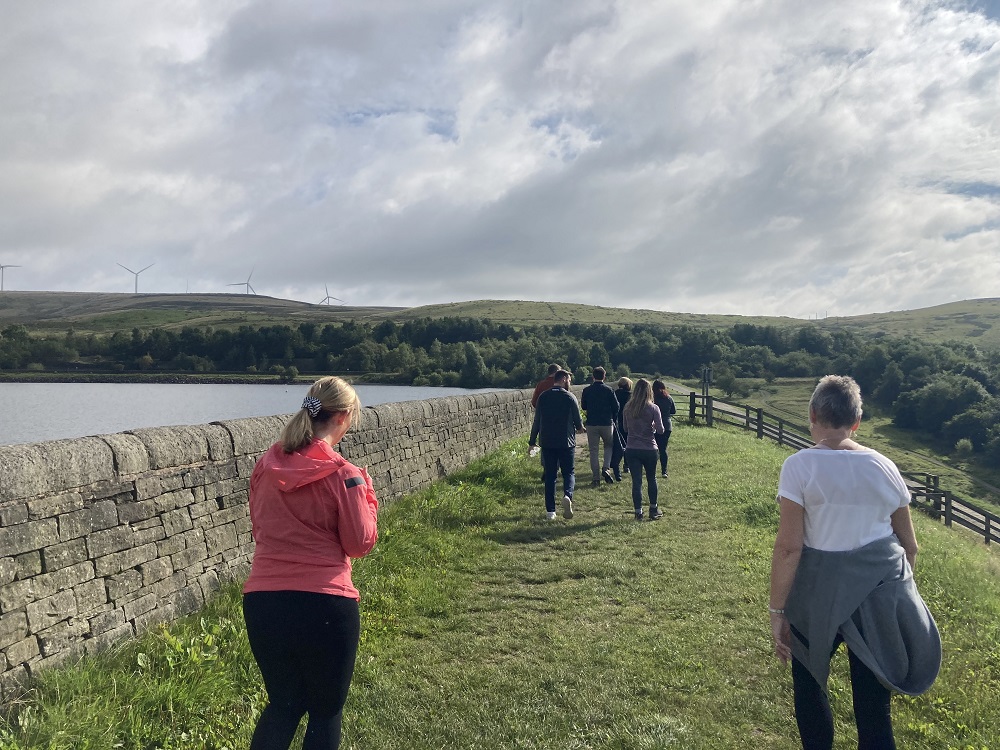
[642,395]
[625,383]
[335,395]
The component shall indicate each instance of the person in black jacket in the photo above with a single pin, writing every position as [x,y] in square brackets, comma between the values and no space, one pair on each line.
[557,422]
[667,408]
[601,405]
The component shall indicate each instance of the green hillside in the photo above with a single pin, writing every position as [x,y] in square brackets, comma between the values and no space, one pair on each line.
[977,321]
[91,311]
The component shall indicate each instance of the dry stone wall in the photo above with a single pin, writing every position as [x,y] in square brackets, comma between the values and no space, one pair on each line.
[102,537]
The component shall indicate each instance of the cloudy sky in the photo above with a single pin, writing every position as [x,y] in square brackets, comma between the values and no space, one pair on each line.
[735,156]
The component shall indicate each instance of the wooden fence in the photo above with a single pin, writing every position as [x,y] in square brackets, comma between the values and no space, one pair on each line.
[925,489]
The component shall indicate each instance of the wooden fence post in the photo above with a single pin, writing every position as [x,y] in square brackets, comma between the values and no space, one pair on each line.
[708,410]
[781,432]
[692,411]
[947,508]
[760,424]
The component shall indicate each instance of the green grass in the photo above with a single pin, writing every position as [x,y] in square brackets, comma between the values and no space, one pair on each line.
[485,626]
[912,451]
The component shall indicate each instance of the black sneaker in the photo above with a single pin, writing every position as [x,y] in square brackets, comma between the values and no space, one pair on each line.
[638,516]
[618,476]
[655,514]
[608,476]
[595,483]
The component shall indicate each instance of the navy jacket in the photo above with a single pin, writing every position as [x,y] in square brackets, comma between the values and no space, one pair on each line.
[600,403]
[557,418]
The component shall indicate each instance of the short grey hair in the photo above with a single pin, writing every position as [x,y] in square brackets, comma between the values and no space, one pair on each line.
[836,402]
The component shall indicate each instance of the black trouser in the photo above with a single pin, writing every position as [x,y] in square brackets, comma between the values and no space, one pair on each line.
[305,645]
[555,460]
[616,456]
[661,446]
[871,708]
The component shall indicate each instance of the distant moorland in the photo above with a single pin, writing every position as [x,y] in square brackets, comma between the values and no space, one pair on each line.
[976,321]
[93,312]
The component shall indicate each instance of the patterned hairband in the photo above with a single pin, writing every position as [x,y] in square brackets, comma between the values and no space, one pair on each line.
[312,405]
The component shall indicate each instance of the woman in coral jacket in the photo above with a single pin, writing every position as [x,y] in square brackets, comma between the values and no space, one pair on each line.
[311,512]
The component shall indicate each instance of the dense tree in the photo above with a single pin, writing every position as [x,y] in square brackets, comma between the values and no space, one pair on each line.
[949,390]
[929,407]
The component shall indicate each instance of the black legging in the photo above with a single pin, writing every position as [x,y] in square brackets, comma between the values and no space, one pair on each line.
[661,446]
[305,645]
[871,708]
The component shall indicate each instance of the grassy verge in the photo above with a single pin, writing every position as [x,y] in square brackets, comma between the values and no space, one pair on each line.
[485,626]
[913,451]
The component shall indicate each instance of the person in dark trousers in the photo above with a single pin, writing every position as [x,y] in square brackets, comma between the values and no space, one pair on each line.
[667,408]
[557,423]
[622,393]
[311,511]
[642,420]
[540,387]
[842,572]
[601,405]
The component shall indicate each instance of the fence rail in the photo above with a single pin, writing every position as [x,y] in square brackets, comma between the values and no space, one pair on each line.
[925,489]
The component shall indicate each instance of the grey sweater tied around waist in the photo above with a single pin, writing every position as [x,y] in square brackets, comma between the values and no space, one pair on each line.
[868,595]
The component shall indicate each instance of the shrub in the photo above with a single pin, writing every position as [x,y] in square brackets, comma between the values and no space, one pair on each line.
[963,448]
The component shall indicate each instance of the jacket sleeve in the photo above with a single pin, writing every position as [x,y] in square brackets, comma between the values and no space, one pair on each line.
[577,419]
[358,517]
[535,424]
[658,427]
[539,390]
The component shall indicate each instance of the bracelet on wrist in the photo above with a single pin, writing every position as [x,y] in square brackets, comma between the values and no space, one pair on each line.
[774,611]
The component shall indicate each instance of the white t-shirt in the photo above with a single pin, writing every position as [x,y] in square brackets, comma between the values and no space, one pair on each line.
[848,496]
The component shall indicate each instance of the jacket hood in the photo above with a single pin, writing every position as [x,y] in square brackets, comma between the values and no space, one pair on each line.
[290,471]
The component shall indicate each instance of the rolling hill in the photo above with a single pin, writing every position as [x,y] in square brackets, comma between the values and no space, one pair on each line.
[976,321]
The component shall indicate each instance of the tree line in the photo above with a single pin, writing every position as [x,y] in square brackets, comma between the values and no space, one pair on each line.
[949,390]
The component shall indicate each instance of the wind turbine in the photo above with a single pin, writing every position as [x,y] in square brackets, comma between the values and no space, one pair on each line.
[136,273]
[246,283]
[2,267]
[327,298]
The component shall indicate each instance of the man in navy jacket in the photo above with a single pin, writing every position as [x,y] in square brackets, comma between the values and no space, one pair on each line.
[601,405]
[557,422]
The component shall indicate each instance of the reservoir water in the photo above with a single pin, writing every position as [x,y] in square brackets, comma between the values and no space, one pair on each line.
[34,412]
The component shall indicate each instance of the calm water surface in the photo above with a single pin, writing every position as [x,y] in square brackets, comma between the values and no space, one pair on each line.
[33,412]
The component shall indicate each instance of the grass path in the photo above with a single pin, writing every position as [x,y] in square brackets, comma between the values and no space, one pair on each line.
[601,632]
[486,626]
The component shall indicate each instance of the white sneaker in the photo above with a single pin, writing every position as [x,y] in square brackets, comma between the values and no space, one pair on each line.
[551,515]
[567,507]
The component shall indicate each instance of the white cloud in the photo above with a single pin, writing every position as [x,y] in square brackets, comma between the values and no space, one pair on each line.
[738,157]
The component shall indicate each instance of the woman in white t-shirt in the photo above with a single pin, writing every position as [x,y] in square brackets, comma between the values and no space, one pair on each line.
[837,497]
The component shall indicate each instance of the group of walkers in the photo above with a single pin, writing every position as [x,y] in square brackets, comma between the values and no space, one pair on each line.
[632,423]
[842,568]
